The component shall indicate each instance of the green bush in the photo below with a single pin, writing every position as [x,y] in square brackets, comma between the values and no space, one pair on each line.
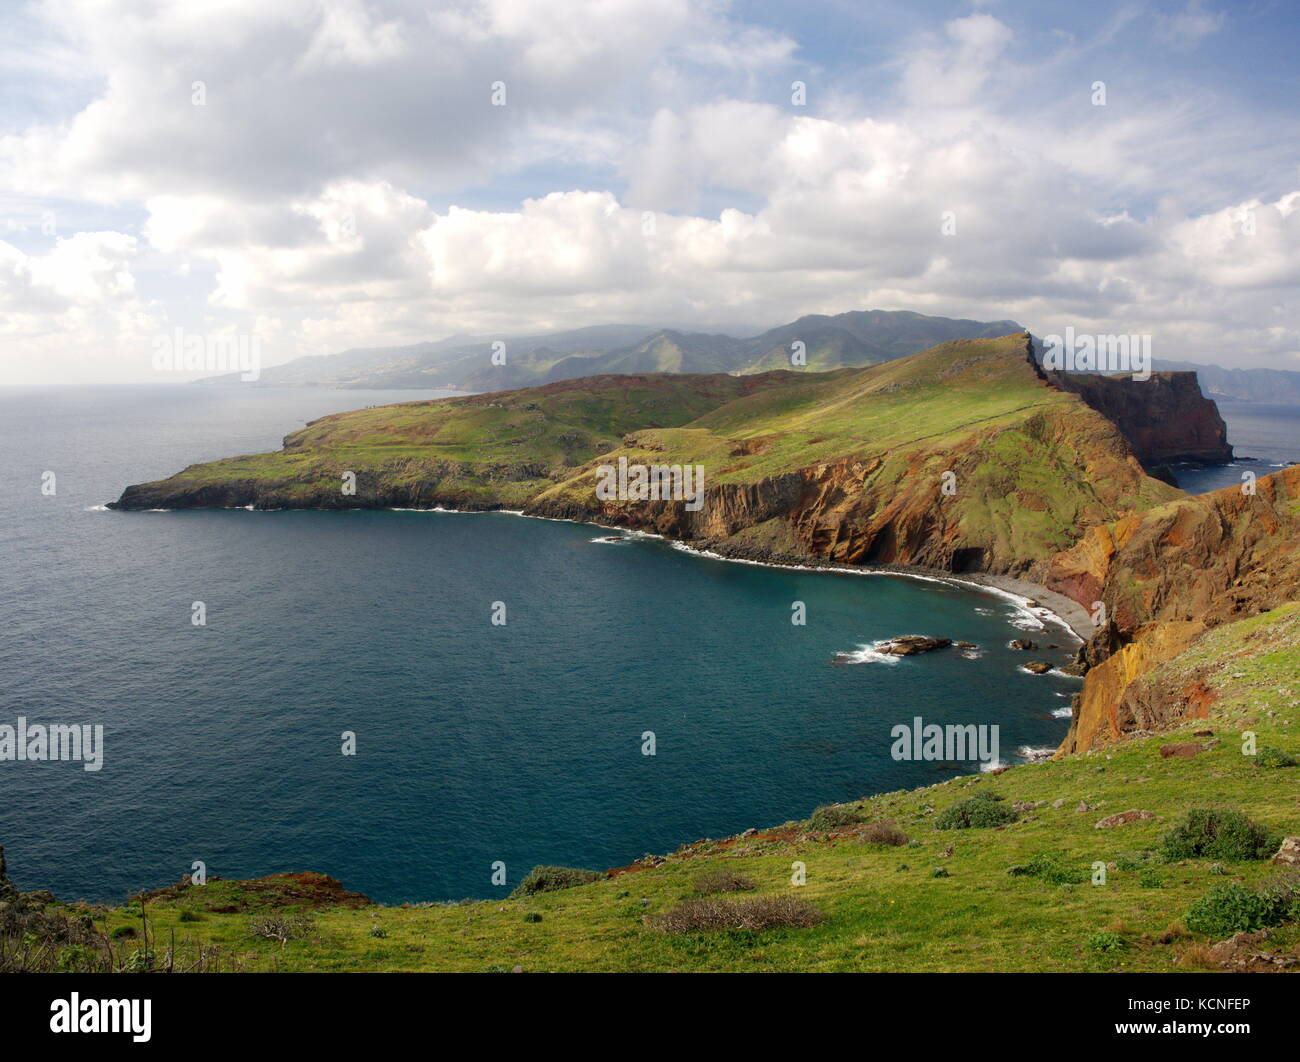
[1214,834]
[551,879]
[190,916]
[1271,757]
[1104,940]
[1228,909]
[532,917]
[1048,868]
[978,812]
[883,832]
[1282,895]
[123,933]
[833,816]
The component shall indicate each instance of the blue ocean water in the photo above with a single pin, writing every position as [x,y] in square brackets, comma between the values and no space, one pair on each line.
[475,743]
[1264,437]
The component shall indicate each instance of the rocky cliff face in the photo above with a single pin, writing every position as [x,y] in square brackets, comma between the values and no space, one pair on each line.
[1020,492]
[1165,418]
[1167,576]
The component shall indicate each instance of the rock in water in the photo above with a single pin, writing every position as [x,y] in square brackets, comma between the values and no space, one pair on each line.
[911,644]
[1038,667]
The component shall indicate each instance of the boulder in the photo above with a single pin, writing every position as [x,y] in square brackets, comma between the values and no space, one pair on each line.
[911,644]
[1183,749]
[1021,643]
[1123,818]
[1038,667]
[1289,853]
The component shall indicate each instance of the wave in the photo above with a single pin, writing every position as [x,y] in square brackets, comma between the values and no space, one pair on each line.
[1033,754]
[868,654]
[1062,713]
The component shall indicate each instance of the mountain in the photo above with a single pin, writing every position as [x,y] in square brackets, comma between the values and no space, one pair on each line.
[466,363]
[1165,417]
[846,466]
[1277,386]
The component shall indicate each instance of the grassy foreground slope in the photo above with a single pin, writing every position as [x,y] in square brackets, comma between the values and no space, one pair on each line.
[882,907]
[845,465]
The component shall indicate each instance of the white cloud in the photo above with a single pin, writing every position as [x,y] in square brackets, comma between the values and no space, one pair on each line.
[1190,25]
[332,191]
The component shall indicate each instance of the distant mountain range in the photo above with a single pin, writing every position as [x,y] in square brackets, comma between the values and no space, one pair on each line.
[1277,386]
[855,339]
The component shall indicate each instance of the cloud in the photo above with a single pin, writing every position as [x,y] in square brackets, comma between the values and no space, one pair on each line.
[1189,26]
[348,182]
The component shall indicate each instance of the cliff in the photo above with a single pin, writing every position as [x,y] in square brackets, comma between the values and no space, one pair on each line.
[1165,418]
[1166,576]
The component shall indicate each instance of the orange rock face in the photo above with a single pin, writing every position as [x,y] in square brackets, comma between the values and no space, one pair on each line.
[1164,577]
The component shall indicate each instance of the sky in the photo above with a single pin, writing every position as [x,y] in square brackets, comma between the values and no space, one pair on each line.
[327,174]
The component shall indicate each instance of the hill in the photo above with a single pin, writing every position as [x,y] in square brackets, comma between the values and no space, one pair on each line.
[847,466]
[467,363]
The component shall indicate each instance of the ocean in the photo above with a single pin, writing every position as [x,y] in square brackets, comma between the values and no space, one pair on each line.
[1264,438]
[521,743]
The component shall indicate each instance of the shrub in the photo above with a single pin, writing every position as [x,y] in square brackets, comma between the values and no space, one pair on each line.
[1049,868]
[978,812]
[1132,860]
[1149,879]
[1105,941]
[715,913]
[1271,757]
[833,816]
[282,927]
[1228,909]
[721,880]
[123,933]
[552,879]
[532,917]
[884,832]
[1215,834]
[190,916]
[378,931]
[1282,895]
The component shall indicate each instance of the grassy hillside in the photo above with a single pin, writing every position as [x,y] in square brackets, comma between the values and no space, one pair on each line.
[880,907]
[847,463]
